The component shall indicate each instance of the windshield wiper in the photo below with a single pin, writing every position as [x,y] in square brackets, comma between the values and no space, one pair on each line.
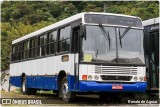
[96,54]
[106,34]
[124,33]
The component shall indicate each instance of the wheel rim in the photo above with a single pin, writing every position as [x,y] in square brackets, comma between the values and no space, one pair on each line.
[23,86]
[65,90]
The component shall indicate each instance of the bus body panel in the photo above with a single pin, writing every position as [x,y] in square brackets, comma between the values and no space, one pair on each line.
[43,66]
[93,86]
[42,73]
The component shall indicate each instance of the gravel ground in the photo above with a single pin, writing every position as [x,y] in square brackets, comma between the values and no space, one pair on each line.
[81,100]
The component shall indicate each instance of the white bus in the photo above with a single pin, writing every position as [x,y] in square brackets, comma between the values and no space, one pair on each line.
[87,52]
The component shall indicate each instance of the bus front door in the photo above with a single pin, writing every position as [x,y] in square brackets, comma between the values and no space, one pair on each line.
[154,60]
[75,50]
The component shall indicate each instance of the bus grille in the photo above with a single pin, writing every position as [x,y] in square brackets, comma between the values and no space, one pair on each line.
[115,70]
[123,78]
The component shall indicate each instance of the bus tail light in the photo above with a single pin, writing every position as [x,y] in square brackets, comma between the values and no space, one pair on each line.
[84,77]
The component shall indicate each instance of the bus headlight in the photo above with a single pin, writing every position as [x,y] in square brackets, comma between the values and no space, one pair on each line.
[135,78]
[89,77]
[96,77]
[141,78]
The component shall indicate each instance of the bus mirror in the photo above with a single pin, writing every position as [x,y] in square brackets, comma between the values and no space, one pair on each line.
[82,32]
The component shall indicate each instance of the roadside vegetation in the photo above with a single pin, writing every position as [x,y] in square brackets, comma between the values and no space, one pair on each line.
[19,18]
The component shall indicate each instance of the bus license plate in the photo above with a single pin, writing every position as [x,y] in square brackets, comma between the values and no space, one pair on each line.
[117,87]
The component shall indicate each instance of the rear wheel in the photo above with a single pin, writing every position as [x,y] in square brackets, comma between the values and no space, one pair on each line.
[24,88]
[67,96]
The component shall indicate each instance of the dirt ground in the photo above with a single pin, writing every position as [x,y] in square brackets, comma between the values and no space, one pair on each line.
[82,100]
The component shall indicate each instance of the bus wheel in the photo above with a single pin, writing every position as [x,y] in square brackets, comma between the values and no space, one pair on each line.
[67,96]
[24,89]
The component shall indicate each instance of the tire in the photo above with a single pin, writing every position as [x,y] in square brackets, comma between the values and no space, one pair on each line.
[67,96]
[24,89]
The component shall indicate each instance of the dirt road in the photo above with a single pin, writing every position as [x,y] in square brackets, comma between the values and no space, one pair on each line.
[81,100]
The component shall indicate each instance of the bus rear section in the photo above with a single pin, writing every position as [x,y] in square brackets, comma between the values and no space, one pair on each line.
[88,52]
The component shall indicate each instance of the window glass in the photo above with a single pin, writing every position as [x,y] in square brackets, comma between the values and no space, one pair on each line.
[25,49]
[14,50]
[19,51]
[65,33]
[64,39]
[41,40]
[51,42]
[32,47]
[26,45]
[41,45]
[53,36]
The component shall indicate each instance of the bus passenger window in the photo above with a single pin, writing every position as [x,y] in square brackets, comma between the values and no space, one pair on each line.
[64,39]
[51,42]
[25,49]
[41,45]
[14,53]
[19,51]
[32,47]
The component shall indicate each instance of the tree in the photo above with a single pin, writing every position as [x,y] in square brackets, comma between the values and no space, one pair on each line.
[23,17]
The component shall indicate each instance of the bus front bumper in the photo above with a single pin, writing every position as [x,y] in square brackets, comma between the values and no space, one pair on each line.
[88,86]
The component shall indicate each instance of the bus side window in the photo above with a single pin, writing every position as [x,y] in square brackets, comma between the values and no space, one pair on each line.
[64,39]
[32,47]
[13,53]
[19,51]
[25,49]
[51,42]
[40,42]
[41,45]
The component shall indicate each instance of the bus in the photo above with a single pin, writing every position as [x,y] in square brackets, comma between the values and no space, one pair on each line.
[87,52]
[151,41]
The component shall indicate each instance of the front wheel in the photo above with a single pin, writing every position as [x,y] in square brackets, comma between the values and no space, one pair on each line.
[67,96]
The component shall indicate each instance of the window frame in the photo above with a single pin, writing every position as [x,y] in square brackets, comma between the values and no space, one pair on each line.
[40,46]
[72,23]
[49,43]
[60,41]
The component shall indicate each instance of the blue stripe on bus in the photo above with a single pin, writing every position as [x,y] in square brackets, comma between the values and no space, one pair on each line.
[43,82]
[86,86]
[72,83]
[39,82]
[51,83]
[16,81]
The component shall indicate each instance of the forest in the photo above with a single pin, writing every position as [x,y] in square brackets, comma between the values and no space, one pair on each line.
[19,18]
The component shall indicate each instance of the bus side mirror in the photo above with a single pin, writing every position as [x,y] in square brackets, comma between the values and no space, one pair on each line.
[83,31]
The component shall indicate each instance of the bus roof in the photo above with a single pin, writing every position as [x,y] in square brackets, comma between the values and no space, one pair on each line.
[150,21]
[63,22]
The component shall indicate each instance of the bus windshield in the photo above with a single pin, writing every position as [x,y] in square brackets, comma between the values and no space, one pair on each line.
[124,46]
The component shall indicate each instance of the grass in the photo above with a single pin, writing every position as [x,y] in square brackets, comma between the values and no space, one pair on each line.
[45,92]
